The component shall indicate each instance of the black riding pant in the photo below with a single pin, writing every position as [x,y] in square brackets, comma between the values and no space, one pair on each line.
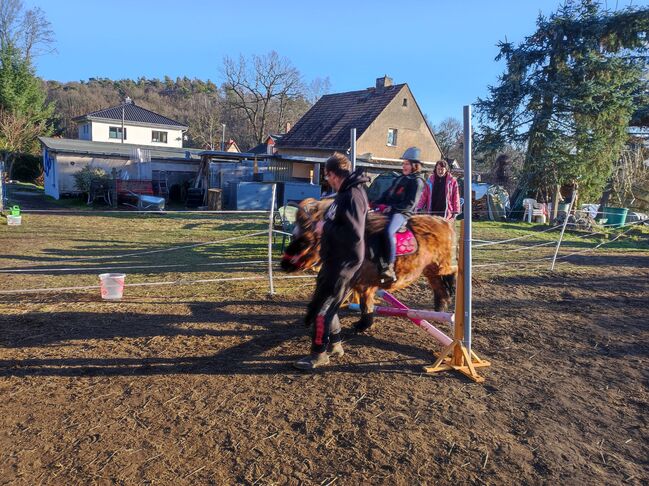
[331,287]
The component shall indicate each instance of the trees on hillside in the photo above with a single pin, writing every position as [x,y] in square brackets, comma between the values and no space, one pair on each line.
[200,104]
[567,94]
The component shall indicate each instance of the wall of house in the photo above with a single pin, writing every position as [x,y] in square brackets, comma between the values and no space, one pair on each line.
[135,134]
[411,131]
[85,131]
[50,174]
[59,179]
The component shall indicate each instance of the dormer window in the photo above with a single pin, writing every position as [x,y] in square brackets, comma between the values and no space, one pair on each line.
[392,137]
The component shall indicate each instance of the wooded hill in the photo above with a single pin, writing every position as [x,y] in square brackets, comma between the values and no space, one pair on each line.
[202,105]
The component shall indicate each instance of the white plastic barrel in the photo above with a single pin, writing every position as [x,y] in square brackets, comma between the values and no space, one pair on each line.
[112,285]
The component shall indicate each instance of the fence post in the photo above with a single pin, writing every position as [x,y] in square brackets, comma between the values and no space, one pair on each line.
[563,228]
[270,240]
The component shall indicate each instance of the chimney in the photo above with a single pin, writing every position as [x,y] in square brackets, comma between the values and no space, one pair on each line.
[288,127]
[383,82]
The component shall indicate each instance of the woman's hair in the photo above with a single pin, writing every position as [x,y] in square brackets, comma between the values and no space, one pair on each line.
[416,166]
[444,164]
[338,164]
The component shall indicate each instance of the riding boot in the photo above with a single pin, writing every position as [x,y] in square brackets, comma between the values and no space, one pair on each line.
[335,347]
[388,275]
[336,350]
[312,361]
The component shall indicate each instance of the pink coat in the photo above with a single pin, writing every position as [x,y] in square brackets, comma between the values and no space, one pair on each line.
[452,197]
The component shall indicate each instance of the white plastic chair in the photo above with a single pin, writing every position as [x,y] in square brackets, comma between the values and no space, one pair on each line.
[532,210]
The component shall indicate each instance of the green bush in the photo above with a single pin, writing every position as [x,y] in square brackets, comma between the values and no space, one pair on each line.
[86,176]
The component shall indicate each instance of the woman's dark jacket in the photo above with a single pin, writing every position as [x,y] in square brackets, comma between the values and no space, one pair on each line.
[343,244]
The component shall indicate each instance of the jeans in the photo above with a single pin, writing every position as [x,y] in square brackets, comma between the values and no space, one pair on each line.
[397,220]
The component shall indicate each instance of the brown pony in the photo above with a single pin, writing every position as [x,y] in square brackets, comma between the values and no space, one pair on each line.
[435,237]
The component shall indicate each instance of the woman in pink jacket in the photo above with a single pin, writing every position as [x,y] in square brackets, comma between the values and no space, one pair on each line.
[441,196]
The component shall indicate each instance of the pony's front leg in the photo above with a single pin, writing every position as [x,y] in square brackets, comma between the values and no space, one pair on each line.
[367,309]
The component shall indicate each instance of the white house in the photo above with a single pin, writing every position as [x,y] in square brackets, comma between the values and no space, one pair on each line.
[132,124]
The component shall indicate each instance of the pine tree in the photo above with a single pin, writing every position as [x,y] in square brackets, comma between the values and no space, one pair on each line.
[567,93]
[24,112]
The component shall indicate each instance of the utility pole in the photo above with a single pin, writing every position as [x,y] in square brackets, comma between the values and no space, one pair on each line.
[352,154]
[223,138]
[123,122]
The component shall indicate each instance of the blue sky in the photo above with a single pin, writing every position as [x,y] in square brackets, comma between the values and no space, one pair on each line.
[443,49]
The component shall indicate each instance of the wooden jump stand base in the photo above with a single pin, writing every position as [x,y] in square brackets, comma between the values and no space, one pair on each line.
[455,356]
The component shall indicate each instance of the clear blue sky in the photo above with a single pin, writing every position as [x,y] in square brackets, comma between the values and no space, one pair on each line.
[443,49]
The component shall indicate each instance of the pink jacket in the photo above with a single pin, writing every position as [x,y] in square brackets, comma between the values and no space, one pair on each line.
[452,197]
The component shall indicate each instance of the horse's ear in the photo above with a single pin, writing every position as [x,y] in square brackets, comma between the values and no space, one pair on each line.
[310,205]
[307,202]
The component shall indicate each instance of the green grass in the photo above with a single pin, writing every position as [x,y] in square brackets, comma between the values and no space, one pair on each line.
[536,248]
[160,247]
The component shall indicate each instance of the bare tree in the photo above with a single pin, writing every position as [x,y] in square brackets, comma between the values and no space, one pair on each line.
[317,89]
[261,89]
[27,30]
[449,135]
[205,126]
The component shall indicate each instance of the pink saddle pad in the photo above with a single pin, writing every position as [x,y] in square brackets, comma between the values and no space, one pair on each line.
[406,242]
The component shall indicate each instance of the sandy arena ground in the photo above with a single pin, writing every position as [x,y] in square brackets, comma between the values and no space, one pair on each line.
[196,387]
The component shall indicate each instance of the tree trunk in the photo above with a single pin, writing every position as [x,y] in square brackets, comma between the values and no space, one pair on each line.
[608,190]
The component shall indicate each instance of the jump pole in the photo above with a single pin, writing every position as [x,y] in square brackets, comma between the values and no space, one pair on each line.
[458,355]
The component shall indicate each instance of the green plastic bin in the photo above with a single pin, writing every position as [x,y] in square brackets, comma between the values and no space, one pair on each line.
[616,217]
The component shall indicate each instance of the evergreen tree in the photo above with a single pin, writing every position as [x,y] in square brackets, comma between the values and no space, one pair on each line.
[24,112]
[567,93]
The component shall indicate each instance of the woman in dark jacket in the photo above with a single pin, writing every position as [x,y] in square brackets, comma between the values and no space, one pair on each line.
[399,202]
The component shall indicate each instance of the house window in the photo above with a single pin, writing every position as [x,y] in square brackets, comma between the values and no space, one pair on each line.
[405,102]
[160,137]
[116,132]
[85,129]
[392,137]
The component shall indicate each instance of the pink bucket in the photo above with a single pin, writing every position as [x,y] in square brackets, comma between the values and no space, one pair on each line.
[112,285]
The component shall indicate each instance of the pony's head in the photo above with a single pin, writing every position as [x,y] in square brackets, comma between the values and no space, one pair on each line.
[303,252]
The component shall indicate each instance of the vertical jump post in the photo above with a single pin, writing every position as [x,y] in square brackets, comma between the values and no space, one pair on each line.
[458,355]
[270,240]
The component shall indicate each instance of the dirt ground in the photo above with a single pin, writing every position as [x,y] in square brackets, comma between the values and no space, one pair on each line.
[198,389]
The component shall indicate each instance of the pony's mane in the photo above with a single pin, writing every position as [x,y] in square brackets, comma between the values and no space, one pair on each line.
[314,210]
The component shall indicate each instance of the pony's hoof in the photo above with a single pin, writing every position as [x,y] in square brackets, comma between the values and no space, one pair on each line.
[364,323]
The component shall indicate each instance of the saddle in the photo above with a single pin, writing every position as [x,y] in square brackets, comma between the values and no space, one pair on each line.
[406,241]
[406,244]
